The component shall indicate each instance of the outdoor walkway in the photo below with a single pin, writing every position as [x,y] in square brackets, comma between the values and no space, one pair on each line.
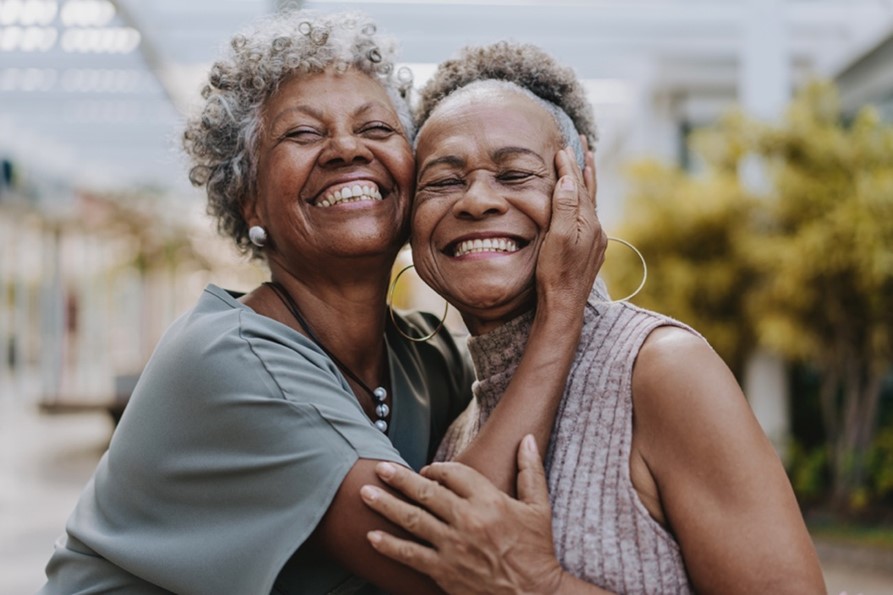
[45,460]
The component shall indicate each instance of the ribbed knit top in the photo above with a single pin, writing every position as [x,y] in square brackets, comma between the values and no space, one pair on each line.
[603,533]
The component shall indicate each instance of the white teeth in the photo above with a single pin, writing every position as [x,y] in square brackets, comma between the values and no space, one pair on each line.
[486,245]
[355,193]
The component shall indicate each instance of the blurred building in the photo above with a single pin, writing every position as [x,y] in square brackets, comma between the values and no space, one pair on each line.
[103,242]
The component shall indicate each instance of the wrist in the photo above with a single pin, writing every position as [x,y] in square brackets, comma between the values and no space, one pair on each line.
[558,319]
[568,303]
[568,584]
[553,581]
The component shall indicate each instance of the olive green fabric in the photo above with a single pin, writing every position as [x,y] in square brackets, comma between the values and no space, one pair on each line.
[236,438]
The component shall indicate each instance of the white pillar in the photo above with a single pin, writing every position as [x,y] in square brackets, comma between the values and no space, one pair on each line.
[764,89]
[764,74]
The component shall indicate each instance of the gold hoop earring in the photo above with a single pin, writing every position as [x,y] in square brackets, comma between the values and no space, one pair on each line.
[391,290]
[644,269]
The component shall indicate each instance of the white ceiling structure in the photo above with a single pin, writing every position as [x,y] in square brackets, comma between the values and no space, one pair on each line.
[92,92]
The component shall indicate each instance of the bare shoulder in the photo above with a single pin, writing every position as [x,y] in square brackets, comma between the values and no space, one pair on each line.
[688,404]
[716,472]
[677,367]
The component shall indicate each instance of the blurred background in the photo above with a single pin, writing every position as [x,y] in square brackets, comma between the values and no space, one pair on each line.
[746,148]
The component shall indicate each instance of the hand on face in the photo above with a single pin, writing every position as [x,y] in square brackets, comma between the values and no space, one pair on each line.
[574,247]
[482,540]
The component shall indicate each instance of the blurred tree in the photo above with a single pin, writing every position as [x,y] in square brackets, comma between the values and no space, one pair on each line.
[825,247]
[806,270]
[689,231]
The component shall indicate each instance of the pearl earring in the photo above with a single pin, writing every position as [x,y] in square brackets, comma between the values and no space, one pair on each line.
[257,235]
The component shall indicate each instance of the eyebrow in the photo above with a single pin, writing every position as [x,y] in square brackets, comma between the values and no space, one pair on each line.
[318,115]
[497,155]
[506,152]
[450,160]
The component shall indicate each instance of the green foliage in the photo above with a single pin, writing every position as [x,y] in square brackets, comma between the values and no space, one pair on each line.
[801,264]
[828,236]
[881,465]
[689,231]
[808,471]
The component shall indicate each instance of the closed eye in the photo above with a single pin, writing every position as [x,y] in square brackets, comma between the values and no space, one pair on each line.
[377,130]
[303,135]
[443,183]
[515,176]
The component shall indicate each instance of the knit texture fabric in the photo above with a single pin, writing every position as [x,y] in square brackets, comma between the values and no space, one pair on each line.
[603,533]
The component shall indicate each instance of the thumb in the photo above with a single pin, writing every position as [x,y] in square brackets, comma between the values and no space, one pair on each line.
[532,488]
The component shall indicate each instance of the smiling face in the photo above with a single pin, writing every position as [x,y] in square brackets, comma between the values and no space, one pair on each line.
[335,173]
[483,202]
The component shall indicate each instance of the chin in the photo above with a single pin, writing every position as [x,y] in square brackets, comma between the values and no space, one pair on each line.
[496,304]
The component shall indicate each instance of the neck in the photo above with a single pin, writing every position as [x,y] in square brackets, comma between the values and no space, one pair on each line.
[483,322]
[347,317]
[349,322]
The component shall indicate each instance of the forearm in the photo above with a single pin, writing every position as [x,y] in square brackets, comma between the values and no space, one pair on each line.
[530,403]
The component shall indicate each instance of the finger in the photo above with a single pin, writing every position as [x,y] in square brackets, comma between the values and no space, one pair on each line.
[412,518]
[462,480]
[531,483]
[425,492]
[410,553]
[568,180]
[584,140]
[589,171]
[574,166]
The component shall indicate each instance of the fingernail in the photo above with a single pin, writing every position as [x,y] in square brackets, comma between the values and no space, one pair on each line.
[369,493]
[567,183]
[374,537]
[385,470]
[530,443]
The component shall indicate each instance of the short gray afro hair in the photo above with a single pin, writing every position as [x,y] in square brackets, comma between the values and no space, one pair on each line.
[222,139]
[525,65]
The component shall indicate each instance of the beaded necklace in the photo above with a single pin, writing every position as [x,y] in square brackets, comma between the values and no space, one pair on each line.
[378,394]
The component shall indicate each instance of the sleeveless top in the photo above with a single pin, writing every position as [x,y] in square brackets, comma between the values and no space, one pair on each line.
[603,533]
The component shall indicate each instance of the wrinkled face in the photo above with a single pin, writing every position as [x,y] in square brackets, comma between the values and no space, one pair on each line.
[335,172]
[483,202]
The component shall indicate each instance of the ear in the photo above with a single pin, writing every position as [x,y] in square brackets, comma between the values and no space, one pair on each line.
[249,212]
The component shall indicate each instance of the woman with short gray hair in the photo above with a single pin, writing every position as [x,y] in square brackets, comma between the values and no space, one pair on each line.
[237,463]
[659,477]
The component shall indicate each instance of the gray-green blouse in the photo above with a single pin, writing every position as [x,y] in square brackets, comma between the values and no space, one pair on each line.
[232,447]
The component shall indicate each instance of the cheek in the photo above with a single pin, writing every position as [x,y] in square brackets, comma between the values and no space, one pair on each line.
[402,166]
[421,230]
[424,251]
[537,206]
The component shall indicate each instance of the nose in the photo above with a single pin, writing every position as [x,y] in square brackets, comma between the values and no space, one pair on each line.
[345,148]
[480,199]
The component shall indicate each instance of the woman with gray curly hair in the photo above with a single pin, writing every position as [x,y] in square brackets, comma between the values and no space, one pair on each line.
[237,464]
[659,476]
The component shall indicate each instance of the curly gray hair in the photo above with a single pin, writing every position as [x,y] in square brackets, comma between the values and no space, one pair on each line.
[522,67]
[222,139]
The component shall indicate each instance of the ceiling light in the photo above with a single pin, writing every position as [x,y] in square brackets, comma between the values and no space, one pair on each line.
[28,12]
[111,40]
[87,13]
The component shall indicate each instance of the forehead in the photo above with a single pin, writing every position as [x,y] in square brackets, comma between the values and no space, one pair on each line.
[487,118]
[327,91]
